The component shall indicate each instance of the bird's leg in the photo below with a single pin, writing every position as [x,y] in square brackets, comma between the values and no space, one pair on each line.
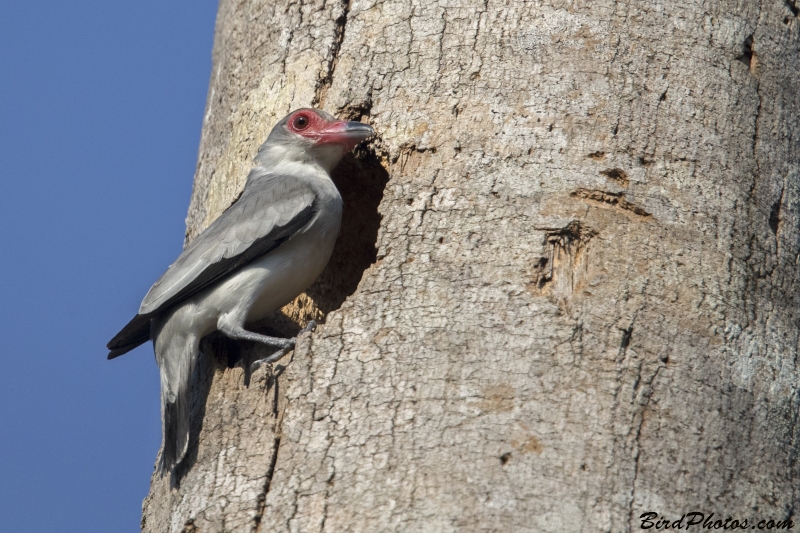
[233,330]
[231,327]
[239,333]
[283,351]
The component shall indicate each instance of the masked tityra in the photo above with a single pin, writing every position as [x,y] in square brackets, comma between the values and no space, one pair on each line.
[262,252]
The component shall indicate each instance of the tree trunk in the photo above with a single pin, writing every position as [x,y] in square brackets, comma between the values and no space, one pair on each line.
[565,292]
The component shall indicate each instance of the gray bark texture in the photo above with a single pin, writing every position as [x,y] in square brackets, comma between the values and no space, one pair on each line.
[566,289]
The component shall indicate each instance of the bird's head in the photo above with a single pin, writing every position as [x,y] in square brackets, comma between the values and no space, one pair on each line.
[311,136]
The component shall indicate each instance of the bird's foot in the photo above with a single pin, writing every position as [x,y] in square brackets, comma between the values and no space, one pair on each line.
[311,326]
[272,358]
[289,344]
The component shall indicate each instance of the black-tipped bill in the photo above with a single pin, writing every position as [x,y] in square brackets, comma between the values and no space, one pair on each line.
[348,134]
[358,130]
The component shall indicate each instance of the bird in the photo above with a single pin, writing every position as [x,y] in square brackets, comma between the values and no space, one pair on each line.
[263,251]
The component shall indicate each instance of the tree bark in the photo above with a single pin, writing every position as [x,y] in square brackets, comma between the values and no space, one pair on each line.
[565,292]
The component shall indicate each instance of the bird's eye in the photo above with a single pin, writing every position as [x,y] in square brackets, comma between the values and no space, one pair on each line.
[301,122]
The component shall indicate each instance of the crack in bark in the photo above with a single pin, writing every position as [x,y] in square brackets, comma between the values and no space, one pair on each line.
[325,82]
[276,443]
[636,441]
[262,497]
[792,459]
[749,46]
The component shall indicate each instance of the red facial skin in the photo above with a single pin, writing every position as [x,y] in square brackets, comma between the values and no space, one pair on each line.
[322,131]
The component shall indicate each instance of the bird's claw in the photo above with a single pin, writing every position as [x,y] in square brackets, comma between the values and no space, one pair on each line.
[274,357]
[311,326]
[290,343]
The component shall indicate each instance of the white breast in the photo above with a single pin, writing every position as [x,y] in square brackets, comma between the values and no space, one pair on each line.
[291,268]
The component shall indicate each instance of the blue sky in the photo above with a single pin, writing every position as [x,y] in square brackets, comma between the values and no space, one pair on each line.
[101,105]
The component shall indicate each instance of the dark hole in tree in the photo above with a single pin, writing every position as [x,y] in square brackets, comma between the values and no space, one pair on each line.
[616,174]
[775,216]
[746,56]
[361,180]
[626,338]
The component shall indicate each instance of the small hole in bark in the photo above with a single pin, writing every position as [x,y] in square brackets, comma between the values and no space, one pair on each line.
[663,96]
[775,216]
[504,458]
[441,240]
[746,56]
[616,174]
[597,156]
[540,268]
[626,338]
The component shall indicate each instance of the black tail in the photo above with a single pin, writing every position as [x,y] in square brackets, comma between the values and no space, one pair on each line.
[136,332]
